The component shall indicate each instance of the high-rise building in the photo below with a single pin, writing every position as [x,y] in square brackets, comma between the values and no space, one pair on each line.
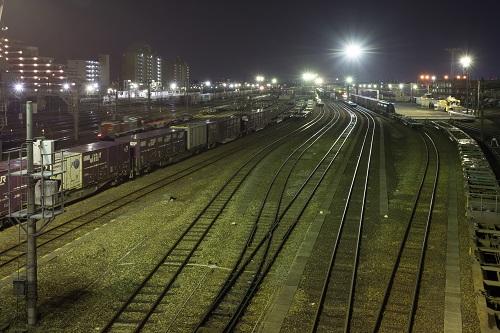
[176,71]
[20,64]
[140,66]
[90,71]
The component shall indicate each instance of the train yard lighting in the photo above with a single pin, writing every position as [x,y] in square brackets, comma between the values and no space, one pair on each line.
[413,87]
[353,51]
[308,76]
[466,62]
[349,80]
[318,81]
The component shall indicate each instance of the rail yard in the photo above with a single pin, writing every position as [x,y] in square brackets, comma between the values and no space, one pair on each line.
[344,220]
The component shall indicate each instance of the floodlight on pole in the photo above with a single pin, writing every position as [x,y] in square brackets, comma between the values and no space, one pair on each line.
[466,62]
[353,51]
[349,81]
[307,76]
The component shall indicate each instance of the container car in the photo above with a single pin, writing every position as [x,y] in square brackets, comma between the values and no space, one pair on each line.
[223,129]
[374,104]
[91,166]
[154,148]
[252,121]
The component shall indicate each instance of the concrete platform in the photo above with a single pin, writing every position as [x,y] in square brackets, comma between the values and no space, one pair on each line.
[414,111]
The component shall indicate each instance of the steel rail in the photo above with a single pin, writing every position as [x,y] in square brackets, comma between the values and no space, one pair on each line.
[413,227]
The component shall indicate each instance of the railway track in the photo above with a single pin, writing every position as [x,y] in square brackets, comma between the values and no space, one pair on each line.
[138,311]
[398,307]
[338,291]
[272,227]
[334,306]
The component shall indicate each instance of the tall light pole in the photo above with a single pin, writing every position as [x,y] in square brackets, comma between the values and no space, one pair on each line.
[466,61]
[452,51]
[352,53]
[308,77]
[348,80]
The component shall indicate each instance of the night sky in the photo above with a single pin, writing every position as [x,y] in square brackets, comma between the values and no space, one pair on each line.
[238,40]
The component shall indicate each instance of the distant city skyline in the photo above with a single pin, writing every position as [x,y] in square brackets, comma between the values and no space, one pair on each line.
[278,39]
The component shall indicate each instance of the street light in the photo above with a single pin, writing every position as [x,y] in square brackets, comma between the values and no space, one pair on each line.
[412,87]
[466,61]
[349,81]
[352,53]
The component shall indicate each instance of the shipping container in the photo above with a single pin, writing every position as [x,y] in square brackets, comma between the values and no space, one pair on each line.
[175,141]
[206,97]
[223,129]
[255,120]
[94,164]
[155,147]
[196,135]
[142,149]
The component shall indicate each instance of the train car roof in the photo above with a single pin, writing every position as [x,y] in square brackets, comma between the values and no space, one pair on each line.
[148,134]
[93,146]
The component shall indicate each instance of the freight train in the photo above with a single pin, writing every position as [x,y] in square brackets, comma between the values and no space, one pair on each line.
[374,104]
[90,167]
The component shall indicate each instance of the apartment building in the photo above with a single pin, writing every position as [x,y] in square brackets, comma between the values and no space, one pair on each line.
[140,66]
[21,65]
[176,72]
[90,71]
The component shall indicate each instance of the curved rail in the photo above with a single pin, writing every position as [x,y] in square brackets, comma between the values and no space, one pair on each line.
[135,312]
[261,252]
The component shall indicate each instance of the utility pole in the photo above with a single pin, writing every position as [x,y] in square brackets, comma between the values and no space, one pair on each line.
[149,99]
[71,98]
[480,108]
[452,70]
[31,259]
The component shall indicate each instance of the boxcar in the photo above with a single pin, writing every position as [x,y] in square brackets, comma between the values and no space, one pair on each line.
[91,166]
[374,104]
[252,121]
[154,148]
[223,129]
